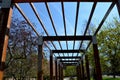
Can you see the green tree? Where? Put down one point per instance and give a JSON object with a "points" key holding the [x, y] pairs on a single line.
{"points": [[21, 60], [22, 50], [70, 71], [109, 48]]}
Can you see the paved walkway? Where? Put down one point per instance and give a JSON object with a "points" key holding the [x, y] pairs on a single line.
{"points": [[68, 78]]}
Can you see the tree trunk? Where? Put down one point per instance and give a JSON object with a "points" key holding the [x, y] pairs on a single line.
{"points": [[114, 76]]}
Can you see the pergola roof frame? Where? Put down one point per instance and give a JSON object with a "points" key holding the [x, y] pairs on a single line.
{"points": [[69, 64], [67, 51], [92, 11], [69, 60], [19, 9], [6, 7], [77, 12], [68, 57], [28, 1], [102, 21], [48, 10]]}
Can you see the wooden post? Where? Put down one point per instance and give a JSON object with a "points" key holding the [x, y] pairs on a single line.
{"points": [[83, 77], [80, 78], [59, 72], [81, 74], [87, 67], [5, 22], [77, 71], [118, 6], [51, 65], [40, 58], [97, 59], [56, 75]]}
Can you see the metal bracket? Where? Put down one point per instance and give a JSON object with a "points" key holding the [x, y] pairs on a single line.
{"points": [[40, 40], [94, 40], [6, 3]]}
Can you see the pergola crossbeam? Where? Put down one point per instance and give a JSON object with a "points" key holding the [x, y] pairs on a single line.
{"points": [[28, 1], [64, 38], [69, 64], [69, 61], [68, 57], [68, 51]]}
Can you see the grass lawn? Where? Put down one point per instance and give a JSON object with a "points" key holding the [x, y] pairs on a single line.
{"points": [[105, 78], [110, 78]]}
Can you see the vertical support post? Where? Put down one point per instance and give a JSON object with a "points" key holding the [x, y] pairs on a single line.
{"points": [[87, 67], [80, 78], [5, 21], [40, 58], [56, 75], [51, 65], [97, 59], [77, 71], [59, 72], [118, 6], [83, 77], [81, 71]]}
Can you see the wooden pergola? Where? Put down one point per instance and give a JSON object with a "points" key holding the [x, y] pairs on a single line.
{"points": [[5, 21]]}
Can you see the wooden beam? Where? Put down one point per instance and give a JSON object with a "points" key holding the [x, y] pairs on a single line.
{"points": [[68, 57], [69, 64], [68, 51], [69, 60], [64, 38], [28, 1]]}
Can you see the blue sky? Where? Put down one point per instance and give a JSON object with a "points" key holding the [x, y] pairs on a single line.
{"points": [[70, 13]]}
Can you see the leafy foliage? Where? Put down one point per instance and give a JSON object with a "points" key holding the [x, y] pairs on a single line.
{"points": [[70, 71], [109, 48], [21, 60]]}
